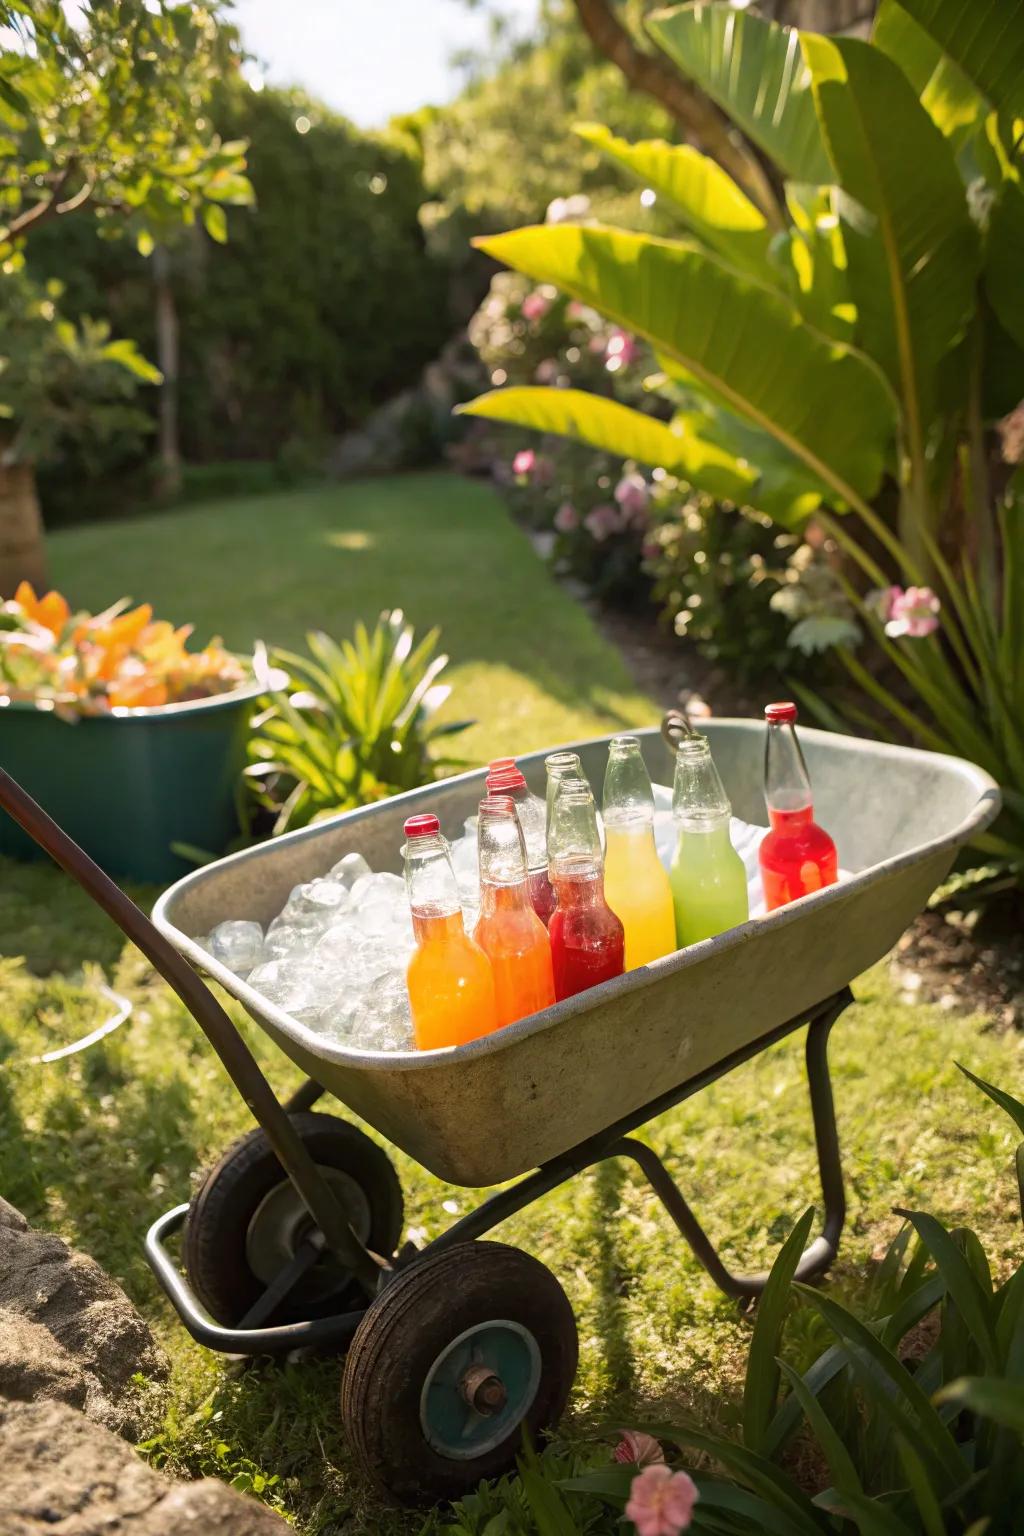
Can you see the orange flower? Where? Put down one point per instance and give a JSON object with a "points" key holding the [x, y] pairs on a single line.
{"points": [[136, 693], [50, 612]]}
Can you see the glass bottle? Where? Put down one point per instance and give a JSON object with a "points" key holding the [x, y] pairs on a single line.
{"points": [[509, 931], [709, 882], [636, 886], [796, 855], [587, 939], [451, 986], [532, 814], [558, 766]]}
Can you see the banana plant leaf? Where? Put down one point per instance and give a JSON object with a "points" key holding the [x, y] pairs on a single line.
{"points": [[986, 39], [912, 247], [746, 343], [754, 71]]}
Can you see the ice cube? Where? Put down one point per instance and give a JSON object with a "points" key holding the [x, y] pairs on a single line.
{"points": [[373, 886], [283, 984], [236, 944], [349, 868], [289, 939], [383, 1020]]}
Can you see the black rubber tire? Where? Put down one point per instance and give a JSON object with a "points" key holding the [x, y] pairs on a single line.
{"points": [[421, 1311], [214, 1246]]}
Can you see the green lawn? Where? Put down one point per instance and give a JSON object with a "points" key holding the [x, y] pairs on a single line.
{"points": [[97, 1145]]}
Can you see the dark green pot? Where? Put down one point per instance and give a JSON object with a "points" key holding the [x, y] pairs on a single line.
{"points": [[127, 786]]}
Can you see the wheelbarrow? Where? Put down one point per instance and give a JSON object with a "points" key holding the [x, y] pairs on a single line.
{"points": [[292, 1240]]}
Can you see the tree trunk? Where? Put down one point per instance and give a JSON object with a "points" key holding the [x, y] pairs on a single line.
{"points": [[22, 556], [852, 16], [167, 361]]}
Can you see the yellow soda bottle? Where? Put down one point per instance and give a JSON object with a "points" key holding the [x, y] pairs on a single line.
{"points": [[636, 887]]}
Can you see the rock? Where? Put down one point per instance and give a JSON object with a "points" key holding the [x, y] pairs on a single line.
{"points": [[9, 1217], [34, 1366], [65, 1476], [86, 1316]]}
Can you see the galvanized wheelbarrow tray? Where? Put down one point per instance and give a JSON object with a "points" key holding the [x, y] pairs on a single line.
{"points": [[290, 1239]]}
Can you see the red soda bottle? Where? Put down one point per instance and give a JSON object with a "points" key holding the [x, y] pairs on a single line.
{"points": [[797, 856], [504, 778], [587, 939]]}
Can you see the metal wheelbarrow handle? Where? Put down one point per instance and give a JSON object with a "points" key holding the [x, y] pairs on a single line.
{"points": [[238, 1061]]}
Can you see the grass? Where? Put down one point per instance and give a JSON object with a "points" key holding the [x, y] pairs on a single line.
{"points": [[95, 1146]]}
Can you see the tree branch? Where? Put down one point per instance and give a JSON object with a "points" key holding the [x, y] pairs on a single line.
{"points": [[43, 211], [696, 113]]}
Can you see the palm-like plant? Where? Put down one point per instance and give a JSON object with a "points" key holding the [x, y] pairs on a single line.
{"points": [[350, 723], [847, 345]]}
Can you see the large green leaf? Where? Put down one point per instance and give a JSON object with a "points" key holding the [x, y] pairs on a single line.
{"points": [[823, 402], [818, 257], [761, 1383], [615, 428], [985, 38], [948, 96], [912, 247], [711, 203], [1004, 245], [754, 71]]}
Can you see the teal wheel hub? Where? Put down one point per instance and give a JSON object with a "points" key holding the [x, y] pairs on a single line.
{"points": [[480, 1388]]}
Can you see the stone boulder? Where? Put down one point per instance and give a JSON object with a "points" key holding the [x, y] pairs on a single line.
{"points": [[66, 1476], [67, 1331]]}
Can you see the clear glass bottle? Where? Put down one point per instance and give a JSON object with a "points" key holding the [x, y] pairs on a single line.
{"points": [[532, 814], [636, 886], [587, 939], [796, 855], [508, 930], [451, 985], [709, 882]]}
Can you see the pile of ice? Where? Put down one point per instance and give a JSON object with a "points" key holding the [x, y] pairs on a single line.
{"points": [[335, 956]]}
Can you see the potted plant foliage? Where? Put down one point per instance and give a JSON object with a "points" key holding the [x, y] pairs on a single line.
{"points": [[133, 742]]}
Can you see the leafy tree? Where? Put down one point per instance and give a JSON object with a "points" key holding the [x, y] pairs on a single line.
{"points": [[101, 114]]}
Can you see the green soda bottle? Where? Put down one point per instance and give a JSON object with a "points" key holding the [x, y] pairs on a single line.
{"points": [[709, 883]]}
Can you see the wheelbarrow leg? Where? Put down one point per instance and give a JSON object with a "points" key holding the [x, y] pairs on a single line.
{"points": [[819, 1255]]}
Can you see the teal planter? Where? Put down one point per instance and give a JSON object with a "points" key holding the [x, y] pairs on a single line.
{"points": [[127, 786]]}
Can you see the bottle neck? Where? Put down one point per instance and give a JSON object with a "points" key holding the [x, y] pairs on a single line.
{"points": [[578, 883], [431, 886], [497, 899], [787, 784], [713, 828], [787, 821]]}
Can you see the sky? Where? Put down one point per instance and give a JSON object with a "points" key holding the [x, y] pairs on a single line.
{"points": [[367, 59]]}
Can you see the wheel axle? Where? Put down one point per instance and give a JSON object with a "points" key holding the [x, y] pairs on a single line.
{"points": [[483, 1390]]}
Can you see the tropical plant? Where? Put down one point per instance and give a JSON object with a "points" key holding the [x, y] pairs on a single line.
{"points": [[349, 723], [847, 345]]}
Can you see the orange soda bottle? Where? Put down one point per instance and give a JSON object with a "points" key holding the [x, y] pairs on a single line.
{"points": [[796, 855], [509, 931], [451, 985]]}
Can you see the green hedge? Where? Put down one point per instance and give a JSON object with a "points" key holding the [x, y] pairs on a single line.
{"points": [[322, 304]]}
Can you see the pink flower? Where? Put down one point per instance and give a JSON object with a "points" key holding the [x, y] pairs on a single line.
{"points": [[913, 613], [661, 1501], [601, 521], [535, 306], [524, 461], [880, 600], [620, 351], [546, 371], [631, 495], [567, 519], [637, 1449]]}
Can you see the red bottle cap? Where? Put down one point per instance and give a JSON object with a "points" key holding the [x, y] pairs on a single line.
{"points": [[507, 778], [422, 826], [499, 764], [780, 714]]}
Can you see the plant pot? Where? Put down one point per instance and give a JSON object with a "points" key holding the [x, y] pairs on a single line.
{"points": [[22, 557], [127, 786]]}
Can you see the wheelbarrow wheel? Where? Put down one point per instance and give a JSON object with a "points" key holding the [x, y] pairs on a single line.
{"points": [[458, 1355], [246, 1221]]}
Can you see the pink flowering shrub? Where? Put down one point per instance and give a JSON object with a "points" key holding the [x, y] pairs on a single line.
{"points": [[913, 612]]}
